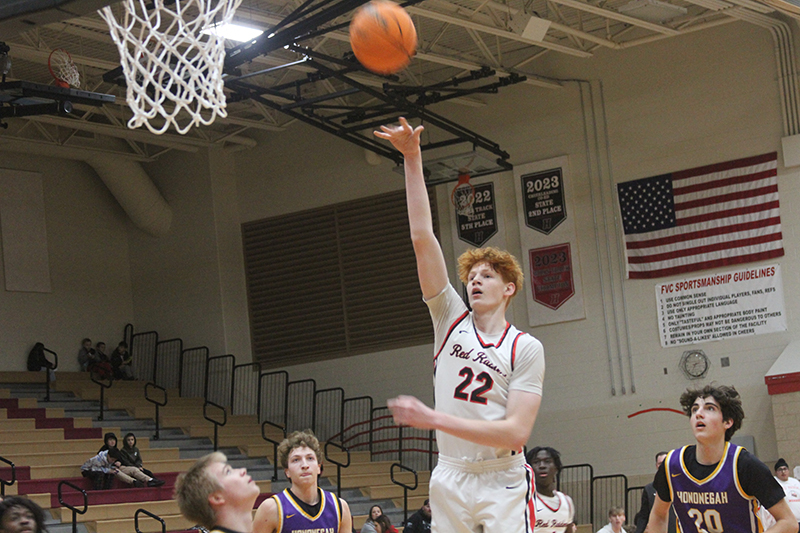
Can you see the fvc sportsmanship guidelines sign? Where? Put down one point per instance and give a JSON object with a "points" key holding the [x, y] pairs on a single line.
{"points": [[737, 303]]}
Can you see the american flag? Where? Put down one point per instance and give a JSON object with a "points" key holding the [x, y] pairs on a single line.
{"points": [[717, 215]]}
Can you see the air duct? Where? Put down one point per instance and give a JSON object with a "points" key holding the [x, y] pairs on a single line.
{"points": [[135, 192]]}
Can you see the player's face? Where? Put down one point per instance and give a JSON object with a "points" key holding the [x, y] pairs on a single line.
{"points": [[237, 486], [18, 519], [707, 422], [782, 473], [486, 288], [303, 466], [544, 468]]}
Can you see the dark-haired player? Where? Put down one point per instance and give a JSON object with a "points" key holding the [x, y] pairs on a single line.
{"points": [[488, 375], [716, 486], [555, 512]]}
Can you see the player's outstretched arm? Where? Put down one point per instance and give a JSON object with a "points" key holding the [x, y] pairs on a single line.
{"points": [[511, 432], [785, 521], [431, 268], [659, 516], [266, 519], [346, 525]]}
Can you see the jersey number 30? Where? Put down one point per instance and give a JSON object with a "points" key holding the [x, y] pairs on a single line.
{"points": [[477, 394], [712, 519]]}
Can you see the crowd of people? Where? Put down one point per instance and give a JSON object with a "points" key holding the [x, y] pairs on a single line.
{"points": [[118, 365], [124, 464]]}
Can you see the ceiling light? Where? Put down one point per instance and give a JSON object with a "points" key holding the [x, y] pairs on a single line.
{"points": [[532, 28], [652, 10], [234, 32]]}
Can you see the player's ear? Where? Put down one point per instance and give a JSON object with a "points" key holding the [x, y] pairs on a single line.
{"points": [[216, 498], [511, 288], [727, 423]]}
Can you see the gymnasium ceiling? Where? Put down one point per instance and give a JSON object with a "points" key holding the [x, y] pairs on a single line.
{"points": [[455, 37]]}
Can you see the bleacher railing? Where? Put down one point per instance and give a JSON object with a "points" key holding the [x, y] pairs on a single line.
{"points": [[151, 515], [576, 480], [167, 363], [607, 492], [156, 402], [49, 374], [75, 510], [8, 482]]}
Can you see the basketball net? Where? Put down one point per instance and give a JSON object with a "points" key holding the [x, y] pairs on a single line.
{"points": [[463, 195], [173, 70], [63, 69]]}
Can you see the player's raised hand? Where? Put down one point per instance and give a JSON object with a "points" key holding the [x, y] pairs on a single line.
{"points": [[403, 137], [409, 411]]}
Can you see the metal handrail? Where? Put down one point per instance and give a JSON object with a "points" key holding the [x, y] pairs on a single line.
{"points": [[47, 373], [216, 423], [275, 445], [3, 482], [406, 488], [103, 387], [75, 511], [154, 402], [339, 465], [151, 515]]}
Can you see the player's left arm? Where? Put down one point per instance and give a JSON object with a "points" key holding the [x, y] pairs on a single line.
{"points": [[511, 432], [785, 521], [346, 525]]}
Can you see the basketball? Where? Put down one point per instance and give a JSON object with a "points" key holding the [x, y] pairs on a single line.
{"points": [[383, 37]]}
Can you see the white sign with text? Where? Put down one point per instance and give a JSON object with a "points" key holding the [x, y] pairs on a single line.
{"points": [[721, 306]]}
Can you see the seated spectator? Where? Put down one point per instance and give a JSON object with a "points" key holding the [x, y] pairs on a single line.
{"points": [[420, 522], [100, 470], [130, 454], [130, 474], [370, 526], [86, 354], [100, 364], [21, 515], [109, 441], [121, 362], [616, 519], [38, 361], [384, 525]]}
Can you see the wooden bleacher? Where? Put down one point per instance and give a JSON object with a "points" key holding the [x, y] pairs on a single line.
{"points": [[46, 455]]}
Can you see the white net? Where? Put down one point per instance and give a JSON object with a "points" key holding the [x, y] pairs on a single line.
{"points": [[63, 68], [463, 197], [173, 70]]}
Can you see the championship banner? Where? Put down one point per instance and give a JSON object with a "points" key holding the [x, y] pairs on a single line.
{"points": [[486, 225], [549, 242], [737, 303], [480, 226], [551, 275]]}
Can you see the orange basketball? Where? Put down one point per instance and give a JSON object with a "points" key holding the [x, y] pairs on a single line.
{"points": [[383, 37]]}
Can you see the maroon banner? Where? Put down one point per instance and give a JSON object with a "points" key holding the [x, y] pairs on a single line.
{"points": [[551, 275]]}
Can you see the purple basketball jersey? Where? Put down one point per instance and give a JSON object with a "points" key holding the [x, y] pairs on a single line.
{"points": [[714, 504], [295, 520]]}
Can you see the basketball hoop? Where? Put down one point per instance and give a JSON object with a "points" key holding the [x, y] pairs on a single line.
{"points": [[463, 195], [167, 58], [63, 69]]}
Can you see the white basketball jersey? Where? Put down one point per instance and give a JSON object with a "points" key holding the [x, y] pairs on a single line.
{"points": [[553, 515], [473, 373]]}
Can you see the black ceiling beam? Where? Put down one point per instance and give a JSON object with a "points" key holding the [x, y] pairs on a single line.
{"points": [[359, 140], [269, 42], [410, 108]]}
